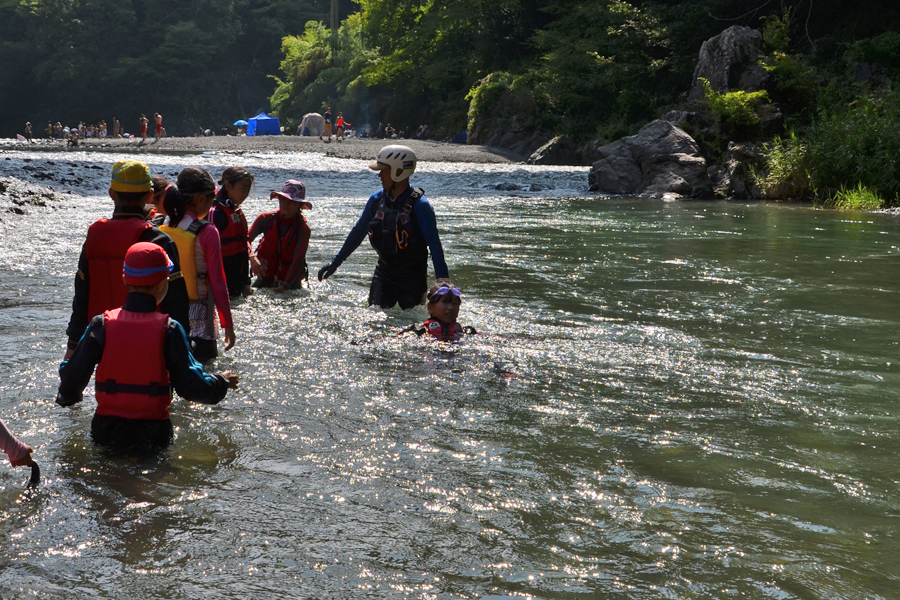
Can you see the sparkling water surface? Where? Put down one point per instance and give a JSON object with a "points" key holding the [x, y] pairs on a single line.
{"points": [[668, 400]]}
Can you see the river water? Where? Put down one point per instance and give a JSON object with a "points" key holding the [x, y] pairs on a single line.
{"points": [[668, 400]]}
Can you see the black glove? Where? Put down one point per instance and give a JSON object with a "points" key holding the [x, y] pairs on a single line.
{"points": [[327, 271]]}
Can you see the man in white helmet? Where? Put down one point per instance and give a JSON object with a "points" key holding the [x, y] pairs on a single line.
{"points": [[399, 222]]}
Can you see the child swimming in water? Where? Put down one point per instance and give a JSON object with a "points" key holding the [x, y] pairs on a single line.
{"points": [[444, 300]]}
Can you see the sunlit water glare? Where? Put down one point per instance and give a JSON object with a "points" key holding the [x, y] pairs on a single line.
{"points": [[668, 400]]}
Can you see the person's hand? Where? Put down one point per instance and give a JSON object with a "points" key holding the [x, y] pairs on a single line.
{"points": [[233, 379], [327, 271], [25, 461], [255, 266], [229, 338], [442, 280], [69, 353]]}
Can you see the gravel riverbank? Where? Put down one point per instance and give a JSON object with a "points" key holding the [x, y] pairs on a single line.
{"points": [[358, 148]]}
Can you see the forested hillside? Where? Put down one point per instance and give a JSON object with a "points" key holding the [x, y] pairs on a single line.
{"points": [[588, 69]]}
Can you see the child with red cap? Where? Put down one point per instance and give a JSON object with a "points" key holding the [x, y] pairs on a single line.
{"points": [[143, 355], [280, 260]]}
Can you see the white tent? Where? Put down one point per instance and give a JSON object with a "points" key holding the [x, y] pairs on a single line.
{"points": [[312, 124]]}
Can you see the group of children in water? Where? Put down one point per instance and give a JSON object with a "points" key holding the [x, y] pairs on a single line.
{"points": [[133, 285]]}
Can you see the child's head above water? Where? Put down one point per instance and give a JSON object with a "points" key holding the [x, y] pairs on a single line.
{"points": [[444, 300], [236, 183], [291, 198]]}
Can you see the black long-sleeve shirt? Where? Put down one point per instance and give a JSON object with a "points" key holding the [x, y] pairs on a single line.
{"points": [[175, 304], [186, 375]]}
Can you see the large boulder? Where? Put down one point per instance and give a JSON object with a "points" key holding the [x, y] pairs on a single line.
{"points": [[730, 61], [738, 177], [661, 160]]}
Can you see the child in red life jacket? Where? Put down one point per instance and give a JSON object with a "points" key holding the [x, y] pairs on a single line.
{"points": [[98, 282], [444, 300], [143, 355], [187, 204], [280, 259], [229, 219]]}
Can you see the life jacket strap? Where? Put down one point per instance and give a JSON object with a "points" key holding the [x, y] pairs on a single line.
{"points": [[111, 387]]}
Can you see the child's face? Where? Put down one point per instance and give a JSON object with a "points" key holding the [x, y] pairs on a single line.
{"points": [[238, 190], [288, 208], [446, 309]]}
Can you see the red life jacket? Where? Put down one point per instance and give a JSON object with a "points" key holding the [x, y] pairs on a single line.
{"points": [[234, 236], [107, 242], [435, 328], [278, 251], [132, 381]]}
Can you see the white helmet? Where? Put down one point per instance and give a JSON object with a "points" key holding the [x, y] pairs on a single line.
{"points": [[400, 159]]}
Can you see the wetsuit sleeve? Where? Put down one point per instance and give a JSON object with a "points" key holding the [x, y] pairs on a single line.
{"points": [[212, 251], [79, 319], [75, 373], [187, 375], [295, 273], [428, 225], [359, 232], [11, 445], [176, 302], [260, 225]]}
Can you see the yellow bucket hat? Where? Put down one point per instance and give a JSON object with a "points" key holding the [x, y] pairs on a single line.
{"points": [[130, 176]]}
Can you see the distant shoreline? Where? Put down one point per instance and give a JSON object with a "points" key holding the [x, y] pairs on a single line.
{"points": [[354, 148]]}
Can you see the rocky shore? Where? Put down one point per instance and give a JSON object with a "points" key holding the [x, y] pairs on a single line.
{"points": [[358, 148]]}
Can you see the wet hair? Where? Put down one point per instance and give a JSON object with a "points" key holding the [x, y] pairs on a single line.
{"points": [[159, 184], [175, 205], [230, 175], [431, 298]]}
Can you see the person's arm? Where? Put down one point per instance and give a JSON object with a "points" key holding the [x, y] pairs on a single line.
{"points": [[209, 241], [79, 319], [186, 375], [260, 225], [15, 449], [75, 373], [296, 271], [428, 225], [359, 232]]}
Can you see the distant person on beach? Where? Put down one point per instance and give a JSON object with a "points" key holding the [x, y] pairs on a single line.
{"points": [[340, 127], [117, 128], [229, 219], [160, 132], [280, 261], [19, 454], [141, 355], [28, 132], [187, 205], [327, 131], [144, 120], [444, 300], [98, 282], [399, 222]]}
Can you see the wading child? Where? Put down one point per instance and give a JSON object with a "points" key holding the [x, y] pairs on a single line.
{"points": [[187, 204], [156, 213], [98, 282], [280, 260], [141, 355], [229, 219], [444, 300], [19, 454]]}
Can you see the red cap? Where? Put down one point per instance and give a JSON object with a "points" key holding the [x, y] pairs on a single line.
{"points": [[146, 264]]}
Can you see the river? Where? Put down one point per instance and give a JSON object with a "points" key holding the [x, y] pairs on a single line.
{"points": [[668, 400]]}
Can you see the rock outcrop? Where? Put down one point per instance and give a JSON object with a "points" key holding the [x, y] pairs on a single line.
{"points": [[730, 61], [660, 161]]}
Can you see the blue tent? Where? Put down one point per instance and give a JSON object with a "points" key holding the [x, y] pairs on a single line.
{"points": [[263, 124]]}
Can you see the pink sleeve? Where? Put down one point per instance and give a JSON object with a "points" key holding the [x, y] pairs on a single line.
{"points": [[12, 446], [212, 251]]}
